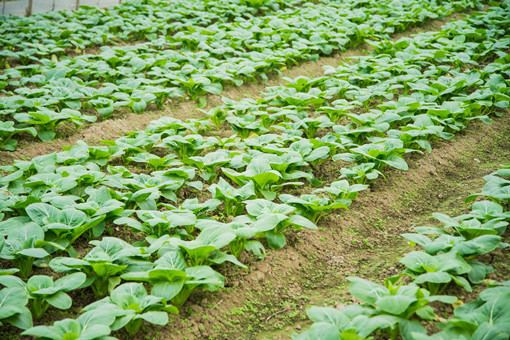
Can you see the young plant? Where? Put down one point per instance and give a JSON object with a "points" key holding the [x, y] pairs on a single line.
{"points": [[21, 246], [101, 201], [231, 196], [436, 271], [90, 325], [8, 130], [172, 279], [397, 304], [193, 205], [351, 322], [385, 152], [208, 164], [185, 146], [245, 125], [217, 115], [262, 209], [488, 212], [497, 187], [361, 173], [206, 248], [155, 162], [266, 179], [131, 305], [62, 227], [43, 292], [342, 191], [470, 228], [308, 125], [104, 264], [487, 317], [13, 308], [48, 120], [311, 206], [159, 223], [244, 228]]}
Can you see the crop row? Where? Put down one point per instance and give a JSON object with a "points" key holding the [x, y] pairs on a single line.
{"points": [[244, 173], [450, 253], [40, 97], [26, 39]]}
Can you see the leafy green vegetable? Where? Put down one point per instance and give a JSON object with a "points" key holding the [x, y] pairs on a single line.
{"points": [[43, 292], [157, 223], [172, 280], [131, 305], [12, 307], [436, 272], [21, 245], [90, 325], [311, 206], [278, 217], [342, 191], [486, 317], [103, 264], [62, 227], [231, 196]]}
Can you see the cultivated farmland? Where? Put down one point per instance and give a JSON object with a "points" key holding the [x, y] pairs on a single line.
{"points": [[256, 182]]}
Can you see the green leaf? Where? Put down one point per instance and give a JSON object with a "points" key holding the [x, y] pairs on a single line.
{"points": [[214, 88], [167, 289], [396, 304], [34, 252], [275, 240], [59, 300], [42, 213], [329, 315], [139, 106], [396, 162], [302, 222], [156, 318], [366, 291], [322, 331], [436, 277]]}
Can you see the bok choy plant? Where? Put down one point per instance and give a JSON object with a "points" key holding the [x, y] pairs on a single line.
{"points": [[42, 291], [131, 305], [173, 280]]}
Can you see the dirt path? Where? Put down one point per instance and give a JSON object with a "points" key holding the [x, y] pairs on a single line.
{"points": [[120, 123], [269, 300]]}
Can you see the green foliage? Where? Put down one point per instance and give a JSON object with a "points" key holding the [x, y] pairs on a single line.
{"points": [[437, 271], [43, 292], [12, 308], [91, 325], [486, 317], [276, 218], [311, 206], [173, 280], [131, 305], [398, 100], [390, 307], [232, 197], [104, 264], [21, 246]]}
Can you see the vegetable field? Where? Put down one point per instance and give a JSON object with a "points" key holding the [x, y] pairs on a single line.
{"points": [[303, 211]]}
